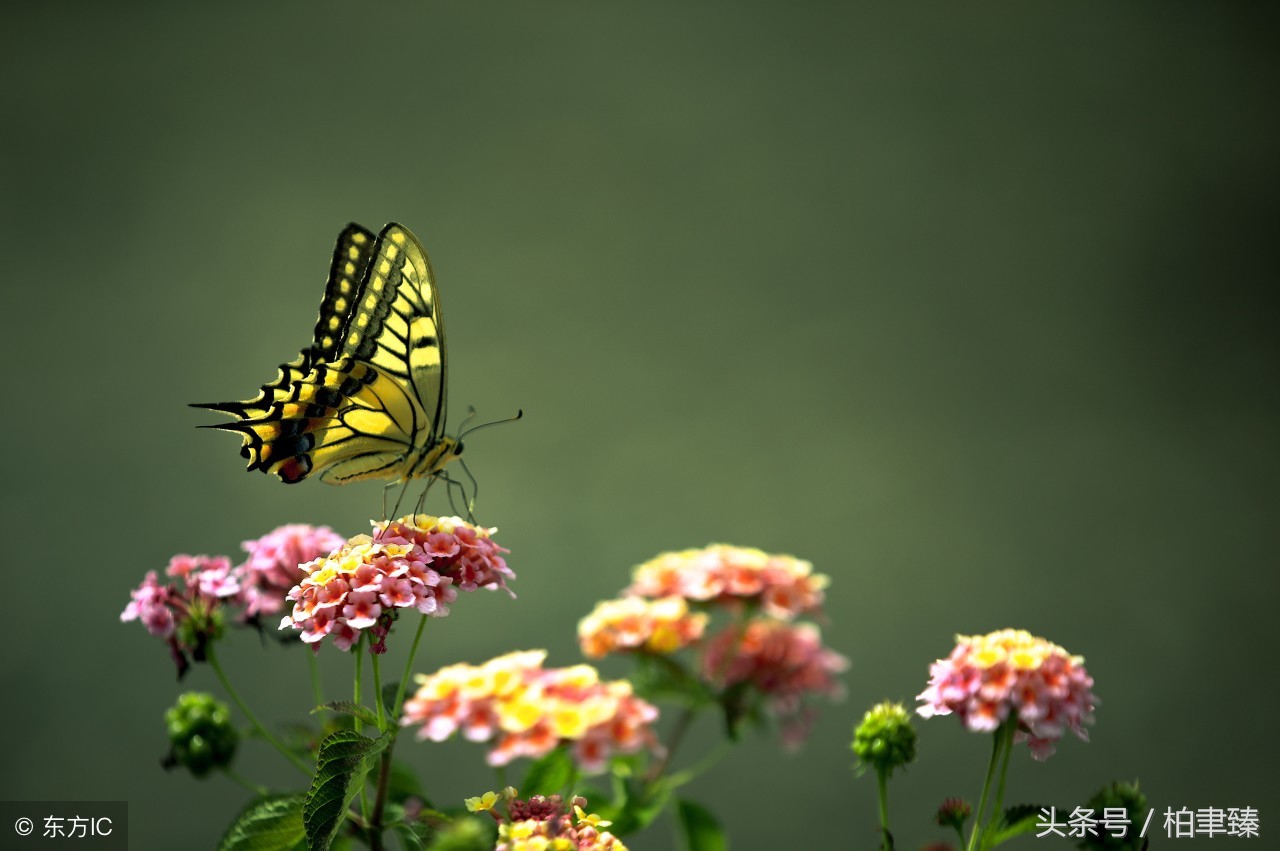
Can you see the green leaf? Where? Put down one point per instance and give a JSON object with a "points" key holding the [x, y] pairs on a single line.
{"points": [[347, 707], [272, 823], [699, 828], [549, 775], [1015, 821], [344, 759]]}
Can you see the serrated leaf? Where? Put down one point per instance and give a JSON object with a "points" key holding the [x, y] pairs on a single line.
{"points": [[273, 823], [344, 759], [699, 828], [549, 775], [347, 707]]}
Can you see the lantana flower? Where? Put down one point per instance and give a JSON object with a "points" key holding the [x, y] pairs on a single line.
{"points": [[526, 710], [542, 824], [418, 562], [188, 612], [784, 587], [634, 623], [990, 678], [275, 562], [786, 663]]}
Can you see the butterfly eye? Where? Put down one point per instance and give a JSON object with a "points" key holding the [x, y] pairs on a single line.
{"points": [[457, 448]]}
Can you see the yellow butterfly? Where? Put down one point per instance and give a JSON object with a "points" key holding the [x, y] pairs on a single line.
{"points": [[366, 400]]}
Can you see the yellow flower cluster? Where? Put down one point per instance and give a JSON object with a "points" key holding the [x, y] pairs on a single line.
{"points": [[1016, 647], [634, 623]]}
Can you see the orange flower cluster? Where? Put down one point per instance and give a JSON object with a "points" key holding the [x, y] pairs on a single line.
{"points": [[785, 587], [527, 710], [634, 623]]}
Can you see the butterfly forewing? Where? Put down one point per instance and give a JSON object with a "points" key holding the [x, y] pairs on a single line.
{"points": [[366, 399]]}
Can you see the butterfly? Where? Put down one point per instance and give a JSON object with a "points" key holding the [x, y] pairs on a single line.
{"points": [[367, 399]]}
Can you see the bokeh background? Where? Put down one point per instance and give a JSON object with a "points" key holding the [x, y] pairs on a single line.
{"points": [[972, 306]]}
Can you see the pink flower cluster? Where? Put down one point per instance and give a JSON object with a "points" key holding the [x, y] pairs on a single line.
{"points": [[205, 581], [786, 663], [186, 613], [528, 710], [785, 587], [1010, 673], [275, 562], [634, 623], [417, 562]]}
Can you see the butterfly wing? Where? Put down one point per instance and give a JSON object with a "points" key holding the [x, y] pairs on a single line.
{"points": [[351, 259], [372, 403]]}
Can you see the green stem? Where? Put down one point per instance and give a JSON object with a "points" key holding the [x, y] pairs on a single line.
{"points": [[408, 664], [673, 741], [996, 741], [359, 646], [680, 778], [1008, 730], [248, 784], [377, 694], [253, 719], [316, 692], [882, 786]]}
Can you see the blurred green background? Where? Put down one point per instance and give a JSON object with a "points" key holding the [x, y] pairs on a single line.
{"points": [[972, 306]]}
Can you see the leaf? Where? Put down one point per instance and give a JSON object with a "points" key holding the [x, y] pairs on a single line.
{"points": [[344, 759], [549, 775], [1015, 821], [347, 707], [699, 828], [272, 823]]}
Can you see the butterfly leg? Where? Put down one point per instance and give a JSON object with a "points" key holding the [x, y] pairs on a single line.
{"points": [[396, 511]]}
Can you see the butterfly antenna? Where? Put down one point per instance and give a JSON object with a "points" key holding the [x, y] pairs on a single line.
{"points": [[471, 415], [462, 434]]}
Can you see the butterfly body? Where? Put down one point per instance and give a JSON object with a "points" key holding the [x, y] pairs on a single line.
{"points": [[366, 400]]}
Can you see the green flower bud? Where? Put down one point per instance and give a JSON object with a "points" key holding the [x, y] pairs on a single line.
{"points": [[1117, 796], [201, 736], [885, 739]]}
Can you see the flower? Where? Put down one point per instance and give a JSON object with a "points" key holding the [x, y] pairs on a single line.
{"points": [[527, 710], [885, 739], [275, 562], [783, 586], [187, 613], [786, 663], [418, 562], [541, 824], [634, 623], [990, 678]]}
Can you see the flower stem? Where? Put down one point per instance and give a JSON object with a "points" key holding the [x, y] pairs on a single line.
{"points": [[242, 781], [355, 720], [996, 742], [882, 786], [408, 664], [377, 694], [253, 719], [678, 732], [1007, 732]]}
